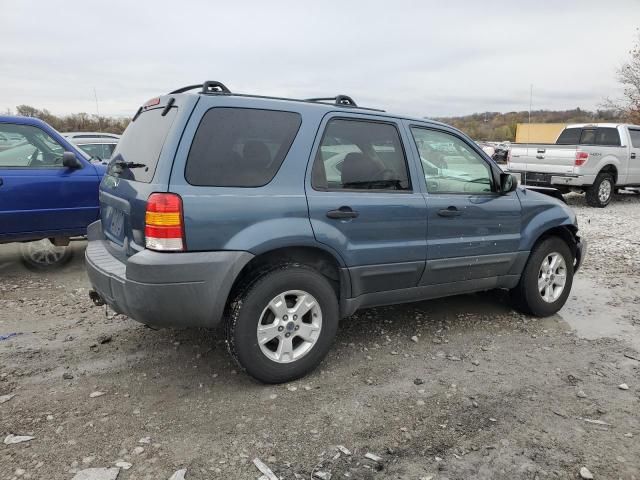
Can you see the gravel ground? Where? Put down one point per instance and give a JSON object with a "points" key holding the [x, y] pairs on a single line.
{"points": [[484, 392]]}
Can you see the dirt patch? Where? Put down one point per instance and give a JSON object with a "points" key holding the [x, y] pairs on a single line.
{"points": [[485, 392]]}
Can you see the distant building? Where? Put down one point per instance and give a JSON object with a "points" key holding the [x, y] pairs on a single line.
{"points": [[538, 132]]}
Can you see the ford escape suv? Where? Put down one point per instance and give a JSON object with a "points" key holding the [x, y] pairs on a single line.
{"points": [[278, 217]]}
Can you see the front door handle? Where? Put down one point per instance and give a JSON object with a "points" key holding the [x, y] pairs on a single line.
{"points": [[1, 182], [449, 212], [633, 155], [342, 213]]}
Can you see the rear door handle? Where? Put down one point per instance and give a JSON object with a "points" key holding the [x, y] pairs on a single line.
{"points": [[1, 182], [449, 212], [633, 155], [342, 213]]}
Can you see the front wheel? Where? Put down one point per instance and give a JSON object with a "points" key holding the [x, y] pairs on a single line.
{"points": [[601, 192], [547, 278], [283, 324]]}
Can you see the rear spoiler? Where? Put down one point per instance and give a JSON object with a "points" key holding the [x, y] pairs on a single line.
{"points": [[552, 192]]}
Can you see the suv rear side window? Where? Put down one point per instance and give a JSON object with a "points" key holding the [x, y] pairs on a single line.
{"points": [[569, 136], [240, 147], [360, 155], [142, 143]]}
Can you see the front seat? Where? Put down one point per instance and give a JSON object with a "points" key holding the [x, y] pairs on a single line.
{"points": [[359, 171]]}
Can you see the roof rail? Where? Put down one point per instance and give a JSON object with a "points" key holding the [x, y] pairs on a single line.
{"points": [[342, 100], [210, 86]]}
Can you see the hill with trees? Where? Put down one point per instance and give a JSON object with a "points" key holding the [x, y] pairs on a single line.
{"points": [[497, 127], [75, 122]]}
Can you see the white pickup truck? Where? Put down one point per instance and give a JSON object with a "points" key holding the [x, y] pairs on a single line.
{"points": [[598, 159]]}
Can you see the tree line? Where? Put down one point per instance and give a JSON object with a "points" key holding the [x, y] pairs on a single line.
{"points": [[75, 122], [499, 127]]}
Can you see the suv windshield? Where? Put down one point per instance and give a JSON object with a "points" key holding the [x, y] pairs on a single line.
{"points": [[141, 143]]}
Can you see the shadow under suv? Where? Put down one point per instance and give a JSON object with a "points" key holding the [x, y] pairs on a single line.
{"points": [[279, 217]]}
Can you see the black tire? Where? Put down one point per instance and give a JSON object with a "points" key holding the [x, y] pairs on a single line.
{"points": [[526, 295], [593, 192], [42, 255], [245, 313]]}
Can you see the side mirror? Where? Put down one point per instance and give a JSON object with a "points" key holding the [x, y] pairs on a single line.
{"points": [[70, 160], [508, 183]]}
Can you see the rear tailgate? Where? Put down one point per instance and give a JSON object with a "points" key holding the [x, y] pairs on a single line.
{"points": [[140, 165], [543, 158]]}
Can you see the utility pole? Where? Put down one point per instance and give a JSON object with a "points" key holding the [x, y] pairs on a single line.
{"points": [[530, 105], [95, 95]]}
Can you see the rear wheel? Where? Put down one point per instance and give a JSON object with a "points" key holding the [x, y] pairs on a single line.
{"points": [[547, 278], [283, 324], [601, 192], [44, 255]]}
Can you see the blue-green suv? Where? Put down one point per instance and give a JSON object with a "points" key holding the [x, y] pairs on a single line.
{"points": [[279, 217]]}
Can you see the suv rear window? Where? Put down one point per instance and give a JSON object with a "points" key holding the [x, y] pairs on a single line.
{"points": [[142, 143], [240, 147]]}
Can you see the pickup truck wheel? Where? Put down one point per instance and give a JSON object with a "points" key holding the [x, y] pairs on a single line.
{"points": [[547, 278], [283, 324], [44, 255], [601, 192]]}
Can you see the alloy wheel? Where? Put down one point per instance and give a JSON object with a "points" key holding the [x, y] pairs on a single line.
{"points": [[552, 277], [289, 326]]}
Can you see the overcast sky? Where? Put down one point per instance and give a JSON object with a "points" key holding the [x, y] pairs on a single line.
{"points": [[424, 58]]}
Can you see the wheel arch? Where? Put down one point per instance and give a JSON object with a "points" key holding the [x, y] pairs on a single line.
{"points": [[568, 233], [612, 169], [320, 259]]}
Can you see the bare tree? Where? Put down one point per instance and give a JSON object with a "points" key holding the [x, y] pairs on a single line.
{"points": [[629, 78]]}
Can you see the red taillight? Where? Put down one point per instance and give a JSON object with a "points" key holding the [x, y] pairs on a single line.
{"points": [[581, 158], [164, 227]]}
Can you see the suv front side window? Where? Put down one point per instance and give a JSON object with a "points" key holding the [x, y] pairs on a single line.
{"points": [[450, 165], [360, 155], [28, 147]]}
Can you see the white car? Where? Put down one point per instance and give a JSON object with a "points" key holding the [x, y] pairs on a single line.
{"points": [[97, 145]]}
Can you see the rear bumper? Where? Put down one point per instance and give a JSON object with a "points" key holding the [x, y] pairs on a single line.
{"points": [[553, 179], [164, 289]]}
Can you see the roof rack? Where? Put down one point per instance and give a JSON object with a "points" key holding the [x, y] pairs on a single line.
{"points": [[214, 87], [342, 100], [210, 86]]}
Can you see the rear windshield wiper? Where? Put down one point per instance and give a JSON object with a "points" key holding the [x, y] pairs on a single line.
{"points": [[124, 164]]}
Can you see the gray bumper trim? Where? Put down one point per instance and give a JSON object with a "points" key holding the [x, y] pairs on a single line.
{"points": [[166, 289]]}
